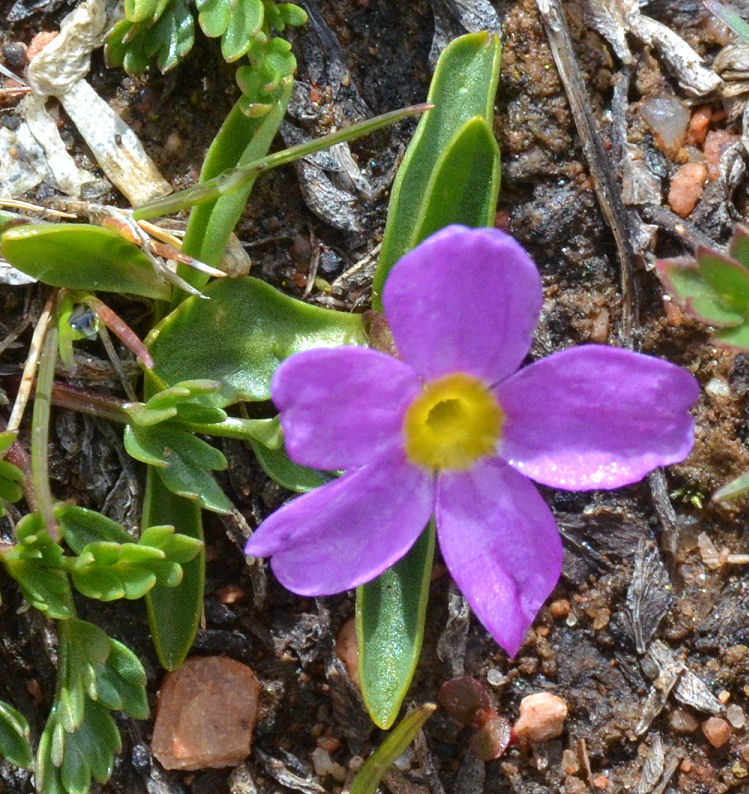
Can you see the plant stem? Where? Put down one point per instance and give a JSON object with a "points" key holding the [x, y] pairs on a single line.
{"points": [[40, 432], [235, 178]]}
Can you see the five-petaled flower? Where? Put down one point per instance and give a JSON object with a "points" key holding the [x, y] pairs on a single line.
{"points": [[454, 429]]}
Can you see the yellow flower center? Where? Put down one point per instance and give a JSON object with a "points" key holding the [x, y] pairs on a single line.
{"points": [[453, 423]]}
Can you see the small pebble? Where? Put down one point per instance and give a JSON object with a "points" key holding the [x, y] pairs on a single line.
{"points": [[735, 715], [347, 650], [324, 765], [205, 714], [601, 619], [601, 782], [739, 770], [716, 143], [570, 763], [682, 721], [685, 766], [573, 785], [717, 731], [39, 42], [668, 119], [560, 608], [698, 125], [542, 717], [686, 188], [744, 753]]}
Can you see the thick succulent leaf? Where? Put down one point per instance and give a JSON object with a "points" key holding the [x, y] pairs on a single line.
{"points": [[14, 737], [465, 182], [174, 613], [81, 256], [390, 615], [464, 84], [241, 335]]}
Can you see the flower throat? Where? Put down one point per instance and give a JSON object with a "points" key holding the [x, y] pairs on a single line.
{"points": [[453, 423]]}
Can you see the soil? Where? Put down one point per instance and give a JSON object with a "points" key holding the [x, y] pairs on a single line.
{"points": [[636, 561]]}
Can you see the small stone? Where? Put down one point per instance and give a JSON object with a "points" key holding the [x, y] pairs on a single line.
{"points": [[325, 765], [698, 125], [601, 619], [716, 143], [682, 721], [542, 717], [573, 785], [205, 714], [560, 608], [685, 766], [39, 42], [686, 188], [717, 731], [735, 715], [744, 753], [570, 764], [724, 696], [739, 770], [668, 119], [601, 782], [347, 650]]}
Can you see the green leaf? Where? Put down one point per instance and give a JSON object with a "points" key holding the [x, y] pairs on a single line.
{"points": [[121, 682], [236, 22], [465, 182], [182, 462], [35, 562], [463, 86], [82, 526], [81, 256], [373, 769], [132, 44], [734, 489], [14, 737], [240, 140], [174, 613], [279, 467], [67, 761], [241, 335], [390, 614]]}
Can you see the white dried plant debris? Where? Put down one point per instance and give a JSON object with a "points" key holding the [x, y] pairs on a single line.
{"points": [[648, 596], [59, 71], [22, 162], [732, 64], [665, 679], [689, 689], [653, 767], [614, 19], [639, 184]]}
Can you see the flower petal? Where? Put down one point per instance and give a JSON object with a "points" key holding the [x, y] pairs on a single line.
{"points": [[342, 407], [596, 417], [501, 545], [464, 300], [348, 531]]}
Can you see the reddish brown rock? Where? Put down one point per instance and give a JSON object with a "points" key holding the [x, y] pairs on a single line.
{"points": [[205, 714], [686, 187], [717, 731], [347, 650]]}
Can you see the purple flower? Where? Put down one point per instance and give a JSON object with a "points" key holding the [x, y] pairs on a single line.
{"points": [[455, 431]]}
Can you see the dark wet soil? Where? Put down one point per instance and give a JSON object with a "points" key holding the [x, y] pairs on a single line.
{"points": [[623, 564]]}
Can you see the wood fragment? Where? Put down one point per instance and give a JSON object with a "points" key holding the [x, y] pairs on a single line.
{"points": [[601, 171]]}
